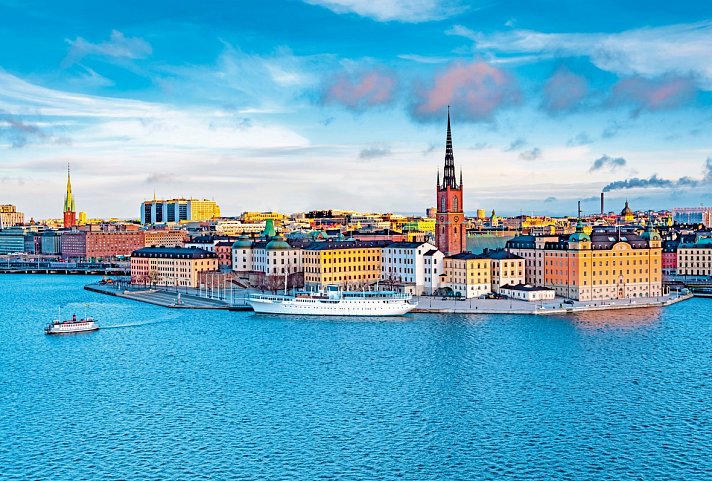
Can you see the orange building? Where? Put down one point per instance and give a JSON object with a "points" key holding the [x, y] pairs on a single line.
{"points": [[604, 265]]}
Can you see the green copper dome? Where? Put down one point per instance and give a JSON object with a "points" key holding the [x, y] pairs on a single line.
{"points": [[650, 233], [579, 235], [242, 242], [277, 243]]}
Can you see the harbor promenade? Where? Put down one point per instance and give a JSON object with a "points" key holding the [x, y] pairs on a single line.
{"points": [[172, 298], [235, 300], [556, 306]]}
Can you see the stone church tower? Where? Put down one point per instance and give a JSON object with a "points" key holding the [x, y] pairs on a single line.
{"points": [[450, 233]]}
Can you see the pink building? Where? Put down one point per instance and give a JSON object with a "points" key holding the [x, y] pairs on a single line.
{"points": [[669, 257], [223, 249]]}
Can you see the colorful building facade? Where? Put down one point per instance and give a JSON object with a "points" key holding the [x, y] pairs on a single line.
{"points": [[171, 266], [695, 259], [349, 264], [468, 275], [604, 265]]}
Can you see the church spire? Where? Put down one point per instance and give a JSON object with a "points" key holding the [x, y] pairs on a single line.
{"points": [[449, 173], [69, 198]]}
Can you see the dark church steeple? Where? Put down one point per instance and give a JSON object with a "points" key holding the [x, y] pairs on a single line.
{"points": [[449, 172]]}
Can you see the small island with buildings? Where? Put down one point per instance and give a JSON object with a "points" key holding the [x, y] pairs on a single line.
{"points": [[449, 261]]}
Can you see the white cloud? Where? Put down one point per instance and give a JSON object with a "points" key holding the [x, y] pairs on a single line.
{"points": [[117, 47], [105, 124], [649, 51], [270, 82], [409, 11]]}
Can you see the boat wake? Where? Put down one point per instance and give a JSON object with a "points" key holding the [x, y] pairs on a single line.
{"points": [[138, 323]]}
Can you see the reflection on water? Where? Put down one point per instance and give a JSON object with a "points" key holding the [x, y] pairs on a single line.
{"points": [[617, 319]]}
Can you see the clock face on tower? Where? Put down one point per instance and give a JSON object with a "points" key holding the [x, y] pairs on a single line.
{"points": [[457, 218], [442, 218]]}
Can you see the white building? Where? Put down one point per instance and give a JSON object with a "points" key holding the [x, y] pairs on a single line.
{"points": [[273, 258], [525, 292], [434, 271], [403, 266], [695, 259], [235, 227], [205, 242]]}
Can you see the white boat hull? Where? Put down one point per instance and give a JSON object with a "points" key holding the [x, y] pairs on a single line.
{"points": [[342, 307], [71, 329]]}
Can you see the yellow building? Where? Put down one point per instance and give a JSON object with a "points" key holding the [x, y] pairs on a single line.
{"points": [[165, 266], [165, 238], [9, 216], [178, 210], [604, 265], [203, 209], [351, 265], [256, 217], [468, 274], [506, 269]]}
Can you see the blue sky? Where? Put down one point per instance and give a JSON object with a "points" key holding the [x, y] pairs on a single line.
{"points": [[295, 105]]}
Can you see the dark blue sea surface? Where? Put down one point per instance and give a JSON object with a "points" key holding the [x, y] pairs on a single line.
{"points": [[169, 394]]}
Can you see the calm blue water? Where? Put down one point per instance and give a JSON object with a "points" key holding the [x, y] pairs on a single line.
{"points": [[172, 394]]}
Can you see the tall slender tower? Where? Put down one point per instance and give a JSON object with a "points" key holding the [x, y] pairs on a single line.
{"points": [[70, 212], [450, 234]]}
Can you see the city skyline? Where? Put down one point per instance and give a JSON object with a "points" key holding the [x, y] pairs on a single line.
{"points": [[244, 105]]}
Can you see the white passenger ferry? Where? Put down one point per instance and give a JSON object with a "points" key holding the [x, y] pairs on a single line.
{"points": [[71, 326], [334, 302]]}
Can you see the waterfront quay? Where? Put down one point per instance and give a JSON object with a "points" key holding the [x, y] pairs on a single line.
{"points": [[183, 298], [235, 299], [558, 305], [25, 264]]}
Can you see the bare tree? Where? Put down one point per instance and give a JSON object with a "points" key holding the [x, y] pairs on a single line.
{"points": [[153, 277], [274, 283]]}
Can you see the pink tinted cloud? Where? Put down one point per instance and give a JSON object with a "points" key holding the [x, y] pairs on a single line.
{"points": [[662, 93], [564, 91], [476, 89], [362, 91]]}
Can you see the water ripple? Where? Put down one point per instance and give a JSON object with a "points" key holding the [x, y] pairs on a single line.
{"points": [[173, 395]]}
